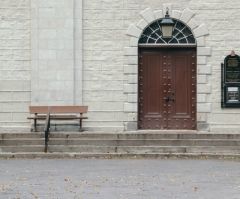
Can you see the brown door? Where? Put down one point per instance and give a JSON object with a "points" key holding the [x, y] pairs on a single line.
{"points": [[167, 88]]}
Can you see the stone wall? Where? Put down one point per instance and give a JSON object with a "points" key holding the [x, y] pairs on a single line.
{"points": [[106, 49], [221, 18], [15, 70], [74, 52], [52, 52]]}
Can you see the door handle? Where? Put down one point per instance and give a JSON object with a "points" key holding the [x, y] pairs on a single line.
{"points": [[167, 99]]}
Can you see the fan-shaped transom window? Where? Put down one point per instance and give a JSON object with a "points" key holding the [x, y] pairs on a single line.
{"points": [[153, 34]]}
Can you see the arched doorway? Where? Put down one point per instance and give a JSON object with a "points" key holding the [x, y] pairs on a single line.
{"points": [[167, 78]]}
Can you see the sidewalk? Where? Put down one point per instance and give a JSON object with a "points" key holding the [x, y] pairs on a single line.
{"points": [[119, 179]]}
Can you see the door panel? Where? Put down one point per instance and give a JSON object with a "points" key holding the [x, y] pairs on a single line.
{"points": [[167, 89], [182, 109], [150, 91]]}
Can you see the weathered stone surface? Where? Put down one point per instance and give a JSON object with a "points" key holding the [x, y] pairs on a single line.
{"points": [[42, 50], [142, 24], [148, 15], [201, 31], [201, 98], [204, 51], [134, 31], [176, 14], [204, 107], [204, 69], [130, 107], [15, 60], [187, 14], [131, 51], [158, 14], [192, 23]]}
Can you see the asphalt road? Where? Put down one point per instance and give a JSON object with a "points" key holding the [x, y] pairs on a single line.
{"points": [[119, 179]]}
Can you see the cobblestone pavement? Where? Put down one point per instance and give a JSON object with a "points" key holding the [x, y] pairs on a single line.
{"points": [[119, 179]]}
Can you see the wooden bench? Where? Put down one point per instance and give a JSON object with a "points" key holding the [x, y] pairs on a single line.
{"points": [[58, 113]]}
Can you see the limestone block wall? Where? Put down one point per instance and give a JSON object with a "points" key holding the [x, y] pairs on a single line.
{"points": [[52, 52], [222, 19], [104, 39], [110, 85], [78, 52], [15, 57], [108, 51], [56, 52]]}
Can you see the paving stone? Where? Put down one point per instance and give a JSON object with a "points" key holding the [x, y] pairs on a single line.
{"points": [[120, 179]]}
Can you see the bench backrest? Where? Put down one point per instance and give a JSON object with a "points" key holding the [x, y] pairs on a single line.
{"points": [[68, 109], [38, 109], [57, 109]]}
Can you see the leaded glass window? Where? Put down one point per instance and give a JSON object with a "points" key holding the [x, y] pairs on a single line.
{"points": [[153, 34]]}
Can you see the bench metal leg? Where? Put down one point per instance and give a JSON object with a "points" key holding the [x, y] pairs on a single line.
{"points": [[35, 125], [80, 125]]}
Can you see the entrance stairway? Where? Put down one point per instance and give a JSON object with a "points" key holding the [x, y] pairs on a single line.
{"points": [[139, 144]]}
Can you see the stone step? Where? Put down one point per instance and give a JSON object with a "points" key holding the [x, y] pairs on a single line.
{"points": [[34, 135], [121, 155], [130, 144], [123, 135], [146, 142], [143, 136], [120, 149], [124, 142], [19, 142], [22, 148], [142, 149]]}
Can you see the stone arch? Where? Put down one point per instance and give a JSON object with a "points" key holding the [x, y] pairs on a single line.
{"points": [[204, 70]]}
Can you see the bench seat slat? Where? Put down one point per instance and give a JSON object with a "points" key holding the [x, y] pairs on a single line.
{"points": [[57, 117]]}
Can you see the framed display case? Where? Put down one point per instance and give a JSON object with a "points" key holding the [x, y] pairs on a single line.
{"points": [[231, 81]]}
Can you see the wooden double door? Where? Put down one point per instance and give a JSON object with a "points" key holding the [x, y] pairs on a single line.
{"points": [[167, 88]]}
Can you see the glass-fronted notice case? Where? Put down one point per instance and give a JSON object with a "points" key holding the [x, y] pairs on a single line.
{"points": [[231, 81]]}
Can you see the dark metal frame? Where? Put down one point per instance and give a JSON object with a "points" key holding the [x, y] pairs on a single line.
{"points": [[152, 34], [47, 132], [225, 85]]}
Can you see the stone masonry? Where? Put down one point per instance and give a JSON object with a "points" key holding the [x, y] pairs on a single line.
{"points": [[15, 63], [85, 52]]}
